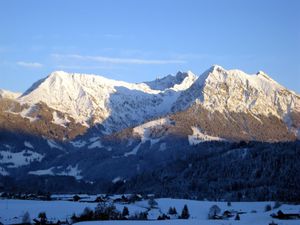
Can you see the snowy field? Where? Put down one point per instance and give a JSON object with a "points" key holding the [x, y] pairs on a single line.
{"points": [[11, 211]]}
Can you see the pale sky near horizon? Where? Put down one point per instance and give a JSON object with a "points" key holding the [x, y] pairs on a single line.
{"points": [[137, 41]]}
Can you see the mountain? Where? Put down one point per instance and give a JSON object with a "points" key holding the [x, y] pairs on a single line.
{"points": [[93, 128], [91, 99]]}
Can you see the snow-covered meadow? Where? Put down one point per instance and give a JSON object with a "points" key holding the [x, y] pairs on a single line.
{"points": [[11, 211]]}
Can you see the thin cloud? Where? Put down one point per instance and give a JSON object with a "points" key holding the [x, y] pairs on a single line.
{"points": [[112, 35], [83, 67], [30, 64], [115, 60]]}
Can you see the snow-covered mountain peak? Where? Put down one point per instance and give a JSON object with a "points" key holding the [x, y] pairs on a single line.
{"points": [[218, 89], [217, 68], [9, 94], [91, 99], [180, 81], [265, 76], [58, 73], [234, 77]]}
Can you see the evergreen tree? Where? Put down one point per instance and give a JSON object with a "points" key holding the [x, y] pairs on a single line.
{"points": [[213, 211], [43, 218], [172, 211], [185, 213], [26, 218], [125, 212]]}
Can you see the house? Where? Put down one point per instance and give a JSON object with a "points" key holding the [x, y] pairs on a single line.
{"points": [[123, 199], [100, 199]]}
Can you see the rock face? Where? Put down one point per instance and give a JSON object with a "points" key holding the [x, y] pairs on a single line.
{"points": [[37, 119], [91, 127]]}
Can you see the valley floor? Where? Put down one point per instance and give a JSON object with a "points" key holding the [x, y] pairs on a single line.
{"points": [[11, 212]]}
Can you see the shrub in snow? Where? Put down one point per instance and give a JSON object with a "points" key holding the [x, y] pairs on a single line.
{"points": [[213, 212], [172, 211], [163, 217], [76, 198], [74, 218], [125, 212], [185, 213], [139, 216], [26, 218], [106, 211], [87, 214], [43, 218]]}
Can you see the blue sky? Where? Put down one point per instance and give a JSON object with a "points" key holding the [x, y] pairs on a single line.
{"points": [[136, 40]]}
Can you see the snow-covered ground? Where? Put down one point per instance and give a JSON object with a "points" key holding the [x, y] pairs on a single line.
{"points": [[11, 211], [185, 222], [198, 137]]}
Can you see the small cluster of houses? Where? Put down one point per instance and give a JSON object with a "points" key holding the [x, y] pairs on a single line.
{"points": [[125, 199], [227, 214], [22, 196], [122, 199]]}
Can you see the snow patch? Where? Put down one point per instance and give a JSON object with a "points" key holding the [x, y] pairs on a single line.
{"points": [[72, 171], [18, 159], [151, 131], [42, 172], [133, 151], [93, 139], [117, 179], [53, 144], [162, 147], [3, 172], [58, 120], [26, 113], [96, 144], [27, 144], [69, 171], [78, 144], [198, 137]]}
